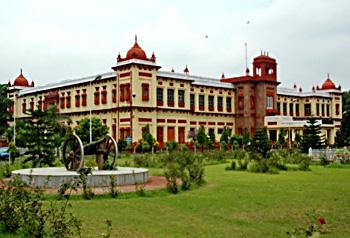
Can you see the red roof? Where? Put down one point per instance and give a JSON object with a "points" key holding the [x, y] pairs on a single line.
{"points": [[21, 81], [328, 84], [136, 52]]}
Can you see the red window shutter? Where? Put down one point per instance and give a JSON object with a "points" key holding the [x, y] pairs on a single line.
{"points": [[171, 133], [83, 97], [145, 92], [114, 95], [97, 98], [67, 102], [181, 135], [24, 107], [77, 100], [127, 92], [62, 103], [104, 97], [122, 92]]}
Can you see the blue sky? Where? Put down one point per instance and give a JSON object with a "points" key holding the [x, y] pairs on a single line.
{"points": [[58, 40]]}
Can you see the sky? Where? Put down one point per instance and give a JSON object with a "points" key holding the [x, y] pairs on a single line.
{"points": [[66, 39]]}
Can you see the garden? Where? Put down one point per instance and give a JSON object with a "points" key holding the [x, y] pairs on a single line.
{"points": [[235, 187]]}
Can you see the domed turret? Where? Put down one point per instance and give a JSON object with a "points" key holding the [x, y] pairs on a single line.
{"points": [[136, 52], [328, 84], [21, 81]]}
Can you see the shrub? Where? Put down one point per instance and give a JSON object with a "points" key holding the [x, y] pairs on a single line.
{"points": [[186, 166], [122, 145], [171, 145], [253, 166], [21, 211]]}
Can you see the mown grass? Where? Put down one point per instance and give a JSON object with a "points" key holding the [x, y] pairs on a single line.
{"points": [[231, 204]]}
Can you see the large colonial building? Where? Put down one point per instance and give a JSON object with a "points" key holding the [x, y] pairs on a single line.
{"points": [[137, 93]]}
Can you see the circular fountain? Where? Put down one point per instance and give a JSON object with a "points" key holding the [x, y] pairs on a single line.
{"points": [[73, 151]]}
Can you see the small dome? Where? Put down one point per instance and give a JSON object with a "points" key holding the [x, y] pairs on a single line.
{"points": [[21, 81], [136, 52], [328, 84]]}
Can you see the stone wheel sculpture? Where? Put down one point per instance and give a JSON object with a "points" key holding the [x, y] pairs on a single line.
{"points": [[73, 153]]}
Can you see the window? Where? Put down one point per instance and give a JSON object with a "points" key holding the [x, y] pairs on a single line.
{"points": [[121, 93], [68, 100], [323, 110], [337, 109], [317, 109], [278, 108], [220, 104], [297, 109], [104, 95], [220, 131], [97, 96], [181, 97], [83, 98], [328, 110], [307, 109], [269, 102], [192, 101], [62, 102], [285, 108], [228, 104], [32, 104], [170, 97], [127, 92], [252, 102], [40, 104], [77, 99], [145, 92], [240, 102], [160, 96], [24, 106], [211, 103], [291, 111], [114, 94], [201, 102]]}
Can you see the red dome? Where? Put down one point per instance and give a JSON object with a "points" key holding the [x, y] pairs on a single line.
{"points": [[328, 84], [136, 52], [21, 81]]}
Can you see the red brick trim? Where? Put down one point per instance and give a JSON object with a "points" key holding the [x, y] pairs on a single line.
{"points": [[145, 119], [161, 120], [123, 75], [193, 123], [182, 121], [124, 119], [171, 120], [144, 74]]}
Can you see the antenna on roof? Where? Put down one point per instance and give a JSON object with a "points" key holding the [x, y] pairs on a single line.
{"points": [[135, 38], [246, 57]]}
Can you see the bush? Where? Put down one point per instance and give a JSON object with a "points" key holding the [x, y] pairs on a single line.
{"points": [[186, 166], [122, 145], [253, 167], [22, 212], [171, 145]]}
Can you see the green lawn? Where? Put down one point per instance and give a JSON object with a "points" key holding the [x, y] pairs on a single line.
{"points": [[231, 204]]}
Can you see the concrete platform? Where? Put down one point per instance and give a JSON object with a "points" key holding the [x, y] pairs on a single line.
{"points": [[53, 177]]}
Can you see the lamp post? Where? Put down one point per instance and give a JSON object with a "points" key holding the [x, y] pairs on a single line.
{"points": [[90, 116], [131, 118]]}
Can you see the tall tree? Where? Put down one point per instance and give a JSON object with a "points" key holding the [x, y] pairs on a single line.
{"points": [[42, 134], [98, 129], [261, 142], [312, 136], [4, 105], [343, 135], [202, 138]]}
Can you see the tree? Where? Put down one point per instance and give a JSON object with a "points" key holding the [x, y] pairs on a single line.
{"points": [[312, 136], [281, 138], [99, 130], [202, 138], [42, 134], [343, 135], [261, 142], [4, 105], [226, 134]]}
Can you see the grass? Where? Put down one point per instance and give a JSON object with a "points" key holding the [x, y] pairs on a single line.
{"points": [[231, 204]]}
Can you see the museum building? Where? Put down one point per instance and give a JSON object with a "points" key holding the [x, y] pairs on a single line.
{"points": [[136, 93]]}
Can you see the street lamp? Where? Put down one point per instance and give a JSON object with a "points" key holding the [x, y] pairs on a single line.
{"points": [[98, 77]]}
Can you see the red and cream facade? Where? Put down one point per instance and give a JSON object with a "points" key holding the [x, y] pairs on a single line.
{"points": [[137, 93]]}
